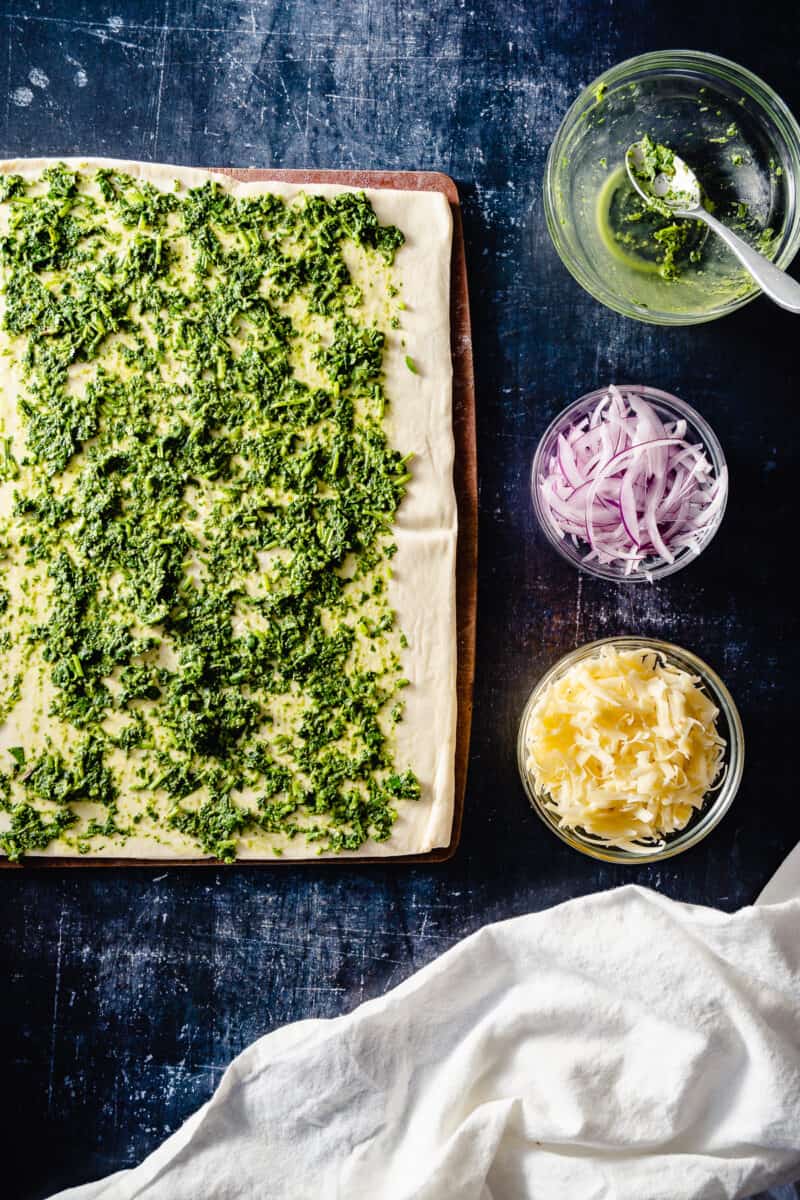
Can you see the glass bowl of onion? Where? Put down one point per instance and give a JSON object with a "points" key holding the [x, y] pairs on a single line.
{"points": [[629, 483], [630, 749]]}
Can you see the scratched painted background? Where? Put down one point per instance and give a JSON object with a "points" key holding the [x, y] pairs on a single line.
{"points": [[125, 993]]}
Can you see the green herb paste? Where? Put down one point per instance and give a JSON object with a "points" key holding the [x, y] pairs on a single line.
{"points": [[202, 495], [642, 235]]}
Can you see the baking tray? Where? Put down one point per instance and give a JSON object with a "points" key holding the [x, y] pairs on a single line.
{"points": [[466, 488]]}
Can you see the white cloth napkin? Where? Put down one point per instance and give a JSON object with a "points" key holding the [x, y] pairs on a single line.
{"points": [[785, 883], [618, 1047]]}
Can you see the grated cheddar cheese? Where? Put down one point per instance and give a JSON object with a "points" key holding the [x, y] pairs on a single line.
{"points": [[624, 746]]}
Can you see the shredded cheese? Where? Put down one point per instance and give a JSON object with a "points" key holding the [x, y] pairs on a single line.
{"points": [[624, 746]]}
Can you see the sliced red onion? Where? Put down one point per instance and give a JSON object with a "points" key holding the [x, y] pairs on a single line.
{"points": [[629, 486]]}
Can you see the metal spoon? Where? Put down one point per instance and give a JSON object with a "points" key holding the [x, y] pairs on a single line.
{"points": [[678, 192]]}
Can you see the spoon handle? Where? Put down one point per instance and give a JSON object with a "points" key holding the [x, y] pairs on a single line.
{"points": [[779, 286]]}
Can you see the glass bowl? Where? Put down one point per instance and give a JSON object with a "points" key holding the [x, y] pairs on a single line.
{"points": [[668, 408], [735, 132], [718, 800]]}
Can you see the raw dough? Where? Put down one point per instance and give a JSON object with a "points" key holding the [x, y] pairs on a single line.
{"points": [[423, 587]]}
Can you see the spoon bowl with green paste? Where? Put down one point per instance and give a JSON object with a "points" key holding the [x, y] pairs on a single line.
{"points": [[668, 187]]}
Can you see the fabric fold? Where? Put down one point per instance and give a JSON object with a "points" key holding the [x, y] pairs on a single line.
{"points": [[621, 1045]]}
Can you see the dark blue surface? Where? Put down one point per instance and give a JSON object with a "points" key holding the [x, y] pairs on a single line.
{"points": [[127, 992]]}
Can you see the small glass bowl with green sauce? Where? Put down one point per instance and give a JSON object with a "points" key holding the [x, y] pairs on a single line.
{"points": [[733, 131]]}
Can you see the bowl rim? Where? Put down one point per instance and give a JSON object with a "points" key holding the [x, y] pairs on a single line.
{"points": [[667, 400], [712, 812], [672, 61]]}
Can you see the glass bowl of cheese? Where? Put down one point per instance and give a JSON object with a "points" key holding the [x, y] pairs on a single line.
{"points": [[630, 749]]}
